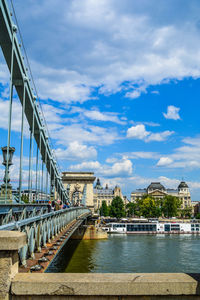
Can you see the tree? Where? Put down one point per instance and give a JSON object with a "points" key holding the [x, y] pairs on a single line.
{"points": [[117, 208], [186, 212], [150, 208], [197, 216], [170, 206], [25, 198], [130, 209], [104, 209]]}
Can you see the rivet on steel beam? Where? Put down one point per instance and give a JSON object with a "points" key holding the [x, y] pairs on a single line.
{"points": [[14, 28], [25, 78]]}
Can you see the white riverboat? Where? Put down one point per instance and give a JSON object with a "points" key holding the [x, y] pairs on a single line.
{"points": [[152, 227]]}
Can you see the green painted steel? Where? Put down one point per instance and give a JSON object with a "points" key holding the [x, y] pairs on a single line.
{"points": [[15, 62]]}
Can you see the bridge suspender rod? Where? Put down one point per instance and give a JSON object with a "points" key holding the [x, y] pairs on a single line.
{"points": [[22, 137], [46, 181], [14, 30], [31, 152], [42, 184], [29, 168], [39, 167], [57, 187], [50, 179], [54, 185], [36, 175]]}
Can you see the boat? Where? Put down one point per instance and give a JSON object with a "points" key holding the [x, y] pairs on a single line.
{"points": [[155, 227]]}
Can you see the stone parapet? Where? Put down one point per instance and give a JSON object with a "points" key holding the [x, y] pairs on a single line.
{"points": [[10, 243], [106, 286], [12, 240]]}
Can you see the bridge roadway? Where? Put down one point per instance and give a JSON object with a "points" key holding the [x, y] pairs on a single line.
{"points": [[42, 229]]}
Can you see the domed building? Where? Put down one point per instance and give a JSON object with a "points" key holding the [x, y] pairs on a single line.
{"points": [[184, 194], [105, 194], [158, 191]]}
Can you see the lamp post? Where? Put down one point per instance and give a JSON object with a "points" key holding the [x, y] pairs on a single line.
{"points": [[6, 188]]}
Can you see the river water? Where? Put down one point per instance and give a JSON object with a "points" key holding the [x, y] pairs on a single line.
{"points": [[131, 253]]}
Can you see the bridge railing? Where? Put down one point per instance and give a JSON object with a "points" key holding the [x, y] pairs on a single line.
{"points": [[17, 212], [41, 229]]}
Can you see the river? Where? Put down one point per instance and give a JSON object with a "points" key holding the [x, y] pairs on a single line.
{"points": [[131, 253]]}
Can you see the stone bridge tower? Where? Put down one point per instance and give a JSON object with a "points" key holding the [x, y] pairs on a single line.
{"points": [[77, 183]]}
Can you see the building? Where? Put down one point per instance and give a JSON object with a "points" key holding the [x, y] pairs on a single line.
{"points": [[105, 194], [34, 195], [158, 191], [80, 187]]}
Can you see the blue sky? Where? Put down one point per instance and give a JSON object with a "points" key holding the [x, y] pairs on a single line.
{"points": [[119, 84]]}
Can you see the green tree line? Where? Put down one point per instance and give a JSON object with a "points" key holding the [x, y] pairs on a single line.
{"points": [[147, 206]]}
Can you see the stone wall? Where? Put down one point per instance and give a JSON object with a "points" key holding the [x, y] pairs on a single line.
{"points": [[105, 286], [89, 232]]}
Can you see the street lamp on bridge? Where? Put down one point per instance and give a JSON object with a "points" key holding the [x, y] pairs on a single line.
{"points": [[6, 187]]}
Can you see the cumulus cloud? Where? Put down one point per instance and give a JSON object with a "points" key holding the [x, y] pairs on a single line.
{"points": [[86, 166], [140, 132], [140, 155], [102, 45], [186, 156], [85, 134], [76, 151], [172, 113], [16, 117], [118, 168], [164, 161], [159, 136], [97, 115], [137, 132]]}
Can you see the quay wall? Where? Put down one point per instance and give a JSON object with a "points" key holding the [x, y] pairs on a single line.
{"points": [[89, 232], [38, 286]]}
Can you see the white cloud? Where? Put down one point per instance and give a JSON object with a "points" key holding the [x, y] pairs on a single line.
{"points": [[164, 161], [133, 94], [140, 154], [16, 117], [186, 156], [119, 168], [137, 132], [85, 134], [97, 115], [140, 132], [159, 137], [172, 113], [102, 45], [89, 166], [76, 151]]}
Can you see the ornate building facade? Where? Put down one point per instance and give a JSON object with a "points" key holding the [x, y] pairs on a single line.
{"points": [[158, 191], [105, 194]]}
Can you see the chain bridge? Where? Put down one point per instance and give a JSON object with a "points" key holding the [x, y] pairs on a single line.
{"points": [[36, 218], [35, 230]]}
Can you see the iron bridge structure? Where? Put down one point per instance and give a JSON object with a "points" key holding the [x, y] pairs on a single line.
{"points": [[40, 223]]}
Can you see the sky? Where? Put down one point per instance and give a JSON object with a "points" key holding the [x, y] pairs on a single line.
{"points": [[119, 85]]}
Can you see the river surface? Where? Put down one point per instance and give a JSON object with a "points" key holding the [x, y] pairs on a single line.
{"points": [[131, 253]]}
